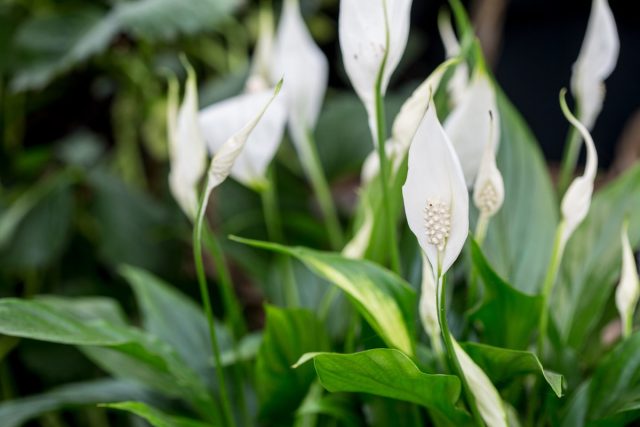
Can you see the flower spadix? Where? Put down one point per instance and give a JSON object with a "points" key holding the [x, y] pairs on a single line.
{"points": [[577, 199], [221, 120], [469, 121], [628, 290], [187, 151], [373, 37], [305, 69], [223, 161], [597, 59], [436, 200], [488, 190]]}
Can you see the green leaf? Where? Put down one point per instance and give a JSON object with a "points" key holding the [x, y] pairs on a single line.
{"points": [[520, 236], [390, 373], [508, 316], [122, 351], [175, 319], [502, 365], [15, 413], [289, 334], [155, 417], [615, 385], [592, 259], [35, 229], [385, 300], [87, 308]]}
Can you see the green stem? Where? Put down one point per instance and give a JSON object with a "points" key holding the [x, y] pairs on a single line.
{"points": [[480, 234], [569, 160], [227, 415], [381, 137], [547, 287], [313, 168], [453, 358], [269, 198], [232, 306]]}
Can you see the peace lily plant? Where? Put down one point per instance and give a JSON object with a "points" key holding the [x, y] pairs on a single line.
{"points": [[468, 291]]}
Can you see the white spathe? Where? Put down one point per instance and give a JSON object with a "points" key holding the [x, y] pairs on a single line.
{"points": [[435, 180], [223, 161], [488, 190], [221, 120], [405, 124], [488, 399], [260, 73], [469, 122], [577, 200], [305, 70], [187, 151], [428, 306], [628, 290], [367, 33], [596, 61]]}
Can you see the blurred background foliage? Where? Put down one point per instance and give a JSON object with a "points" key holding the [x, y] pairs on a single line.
{"points": [[83, 159]]}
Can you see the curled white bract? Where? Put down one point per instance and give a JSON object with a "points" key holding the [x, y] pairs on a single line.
{"points": [[436, 200], [305, 69], [187, 152], [372, 36], [596, 61], [469, 122], [628, 290], [460, 78], [221, 120], [488, 191], [577, 200]]}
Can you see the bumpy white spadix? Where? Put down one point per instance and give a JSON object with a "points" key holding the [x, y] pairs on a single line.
{"points": [[470, 121], [436, 200], [488, 191], [577, 199], [221, 120], [305, 70], [372, 35], [628, 290], [597, 59], [187, 151]]}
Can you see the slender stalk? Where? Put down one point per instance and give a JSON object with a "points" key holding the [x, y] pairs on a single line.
{"points": [[232, 306], [381, 137], [227, 415], [569, 160], [480, 234], [313, 169], [547, 287], [269, 198], [453, 358]]}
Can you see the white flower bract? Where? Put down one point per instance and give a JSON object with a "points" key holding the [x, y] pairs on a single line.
{"points": [[628, 290]]}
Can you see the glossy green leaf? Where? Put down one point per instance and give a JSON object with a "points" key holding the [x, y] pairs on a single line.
{"points": [[175, 319], [153, 416], [15, 413], [615, 385], [592, 259], [289, 334], [520, 236], [390, 373], [385, 300], [508, 316], [502, 365], [88, 309]]}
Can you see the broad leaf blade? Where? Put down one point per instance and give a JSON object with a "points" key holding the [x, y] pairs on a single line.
{"points": [[385, 300], [390, 373], [508, 316], [289, 334], [155, 417], [502, 365]]}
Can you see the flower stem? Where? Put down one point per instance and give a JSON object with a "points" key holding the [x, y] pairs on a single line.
{"points": [[269, 198], [547, 287], [569, 160], [453, 358], [313, 168], [232, 306], [480, 234], [227, 415]]}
